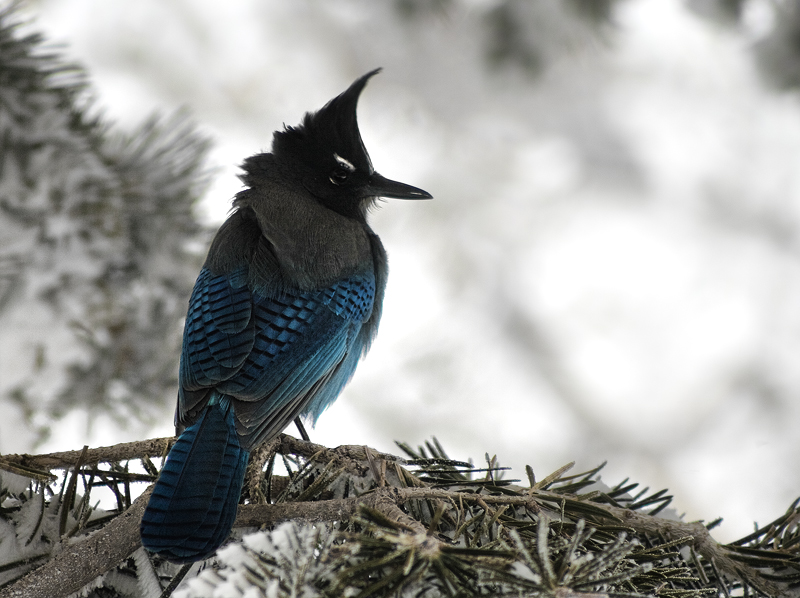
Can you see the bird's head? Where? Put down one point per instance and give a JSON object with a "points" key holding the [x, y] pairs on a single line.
{"points": [[328, 156]]}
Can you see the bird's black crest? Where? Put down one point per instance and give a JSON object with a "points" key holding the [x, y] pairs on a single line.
{"points": [[332, 127]]}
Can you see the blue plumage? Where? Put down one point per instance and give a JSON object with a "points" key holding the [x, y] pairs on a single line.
{"points": [[194, 503], [278, 347], [286, 304]]}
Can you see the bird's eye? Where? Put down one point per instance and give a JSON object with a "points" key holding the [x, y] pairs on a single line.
{"points": [[339, 176]]}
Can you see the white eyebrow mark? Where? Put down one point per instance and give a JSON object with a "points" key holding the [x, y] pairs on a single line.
{"points": [[346, 164]]}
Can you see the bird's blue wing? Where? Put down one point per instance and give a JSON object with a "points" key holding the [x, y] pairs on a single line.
{"points": [[274, 356], [219, 331], [279, 381]]}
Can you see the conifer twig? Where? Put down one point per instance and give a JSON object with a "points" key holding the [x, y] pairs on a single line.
{"points": [[80, 562]]}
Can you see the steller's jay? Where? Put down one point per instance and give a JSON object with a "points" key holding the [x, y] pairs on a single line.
{"points": [[286, 304]]}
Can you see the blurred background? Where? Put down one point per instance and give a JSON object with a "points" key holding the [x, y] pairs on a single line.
{"points": [[609, 271]]}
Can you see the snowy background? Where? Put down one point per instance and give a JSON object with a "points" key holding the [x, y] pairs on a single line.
{"points": [[610, 269]]}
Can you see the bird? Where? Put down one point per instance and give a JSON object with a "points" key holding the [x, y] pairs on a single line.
{"points": [[286, 304]]}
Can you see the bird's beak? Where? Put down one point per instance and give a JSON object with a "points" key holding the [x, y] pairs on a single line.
{"points": [[382, 187]]}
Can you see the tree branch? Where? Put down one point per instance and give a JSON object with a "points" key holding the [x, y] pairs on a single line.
{"points": [[154, 447], [157, 447], [385, 500]]}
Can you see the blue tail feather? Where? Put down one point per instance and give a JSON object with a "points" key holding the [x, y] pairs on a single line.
{"points": [[194, 502]]}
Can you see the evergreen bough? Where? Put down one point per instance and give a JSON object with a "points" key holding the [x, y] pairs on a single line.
{"points": [[351, 521], [96, 264]]}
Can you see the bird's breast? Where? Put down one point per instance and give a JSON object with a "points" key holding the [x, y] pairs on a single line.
{"points": [[312, 245]]}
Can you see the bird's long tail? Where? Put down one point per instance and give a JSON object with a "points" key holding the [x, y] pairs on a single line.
{"points": [[194, 502]]}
